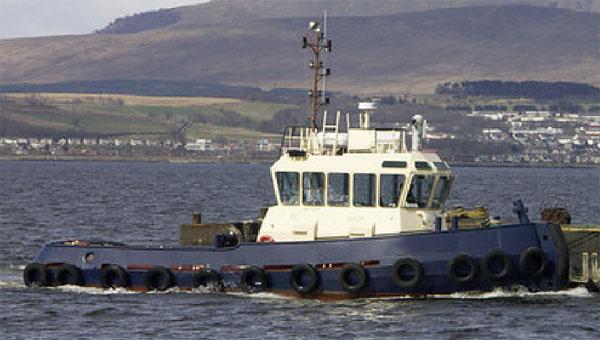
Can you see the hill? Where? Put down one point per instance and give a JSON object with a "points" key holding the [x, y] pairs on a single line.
{"points": [[105, 115], [234, 11], [402, 52]]}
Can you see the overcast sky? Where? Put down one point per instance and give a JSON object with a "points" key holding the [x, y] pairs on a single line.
{"points": [[31, 18]]}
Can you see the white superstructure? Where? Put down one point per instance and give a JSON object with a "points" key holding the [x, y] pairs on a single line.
{"points": [[363, 182]]}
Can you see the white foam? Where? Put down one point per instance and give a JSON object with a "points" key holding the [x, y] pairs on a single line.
{"points": [[93, 290], [262, 295], [518, 292], [11, 284]]}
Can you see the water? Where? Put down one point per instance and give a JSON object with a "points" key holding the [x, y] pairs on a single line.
{"points": [[144, 203]]}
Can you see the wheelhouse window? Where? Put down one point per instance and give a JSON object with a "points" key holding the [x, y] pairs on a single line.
{"points": [[313, 185], [441, 192], [419, 191], [390, 188], [364, 190], [288, 186], [441, 166], [420, 165], [338, 190]]}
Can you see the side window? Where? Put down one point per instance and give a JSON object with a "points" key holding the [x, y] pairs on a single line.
{"points": [[441, 192], [288, 185], [364, 190], [338, 190], [420, 189], [313, 185], [390, 188]]}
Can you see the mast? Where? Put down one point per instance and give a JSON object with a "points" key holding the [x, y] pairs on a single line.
{"points": [[318, 43]]}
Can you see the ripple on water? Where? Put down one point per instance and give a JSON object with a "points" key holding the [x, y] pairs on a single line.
{"points": [[143, 203]]}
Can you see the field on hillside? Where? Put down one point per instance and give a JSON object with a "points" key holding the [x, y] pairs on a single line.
{"points": [[55, 114]]}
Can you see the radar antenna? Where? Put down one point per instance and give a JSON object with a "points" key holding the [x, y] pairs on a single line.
{"points": [[316, 41]]}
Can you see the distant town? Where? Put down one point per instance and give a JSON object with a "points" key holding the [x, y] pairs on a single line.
{"points": [[546, 137], [542, 137], [135, 149]]}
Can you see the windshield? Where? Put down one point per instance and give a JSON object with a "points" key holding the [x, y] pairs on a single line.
{"points": [[441, 192], [390, 188], [338, 193], [364, 190], [420, 189], [312, 188], [287, 183]]}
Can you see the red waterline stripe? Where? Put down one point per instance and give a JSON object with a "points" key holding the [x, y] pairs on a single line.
{"points": [[139, 266], [278, 267], [288, 267], [188, 268]]}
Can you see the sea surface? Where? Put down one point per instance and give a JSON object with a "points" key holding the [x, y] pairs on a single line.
{"points": [[143, 203]]}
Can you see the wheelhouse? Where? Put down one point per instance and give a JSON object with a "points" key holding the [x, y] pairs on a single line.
{"points": [[362, 182]]}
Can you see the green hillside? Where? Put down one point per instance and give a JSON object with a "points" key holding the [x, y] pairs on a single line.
{"points": [[52, 114]]}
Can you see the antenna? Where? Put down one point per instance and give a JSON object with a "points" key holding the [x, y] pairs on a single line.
{"points": [[323, 98], [315, 40]]}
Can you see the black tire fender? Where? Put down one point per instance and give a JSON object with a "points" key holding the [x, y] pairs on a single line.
{"points": [[350, 270], [487, 265], [462, 261], [254, 280], [35, 275], [304, 278], [158, 278], [208, 278], [533, 262], [67, 274], [398, 273], [114, 276]]}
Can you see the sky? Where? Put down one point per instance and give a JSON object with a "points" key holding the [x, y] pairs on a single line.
{"points": [[32, 18]]}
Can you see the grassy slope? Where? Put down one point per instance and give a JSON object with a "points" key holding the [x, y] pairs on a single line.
{"points": [[408, 52], [103, 114], [231, 11]]}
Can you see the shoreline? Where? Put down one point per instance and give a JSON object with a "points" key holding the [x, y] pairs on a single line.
{"points": [[208, 160]]}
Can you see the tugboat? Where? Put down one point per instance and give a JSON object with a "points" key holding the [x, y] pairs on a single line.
{"points": [[358, 214]]}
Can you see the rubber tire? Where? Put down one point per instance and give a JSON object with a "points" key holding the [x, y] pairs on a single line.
{"points": [[208, 278], [467, 259], [346, 270], [158, 278], [525, 259], [417, 268], [254, 280], [67, 274], [35, 275], [300, 270], [507, 265], [114, 276]]}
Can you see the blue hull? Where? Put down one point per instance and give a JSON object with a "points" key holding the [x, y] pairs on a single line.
{"points": [[376, 256]]}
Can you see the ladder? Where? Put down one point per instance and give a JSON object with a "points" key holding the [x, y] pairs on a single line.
{"points": [[331, 129]]}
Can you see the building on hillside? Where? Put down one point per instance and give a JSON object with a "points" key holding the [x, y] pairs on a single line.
{"points": [[201, 144], [74, 141], [494, 134], [8, 141], [265, 145]]}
